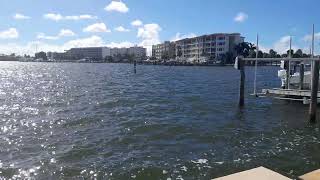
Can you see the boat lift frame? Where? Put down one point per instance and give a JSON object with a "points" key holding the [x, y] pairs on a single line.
{"points": [[306, 96]]}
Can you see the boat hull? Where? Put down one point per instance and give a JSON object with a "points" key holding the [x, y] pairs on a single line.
{"points": [[295, 79]]}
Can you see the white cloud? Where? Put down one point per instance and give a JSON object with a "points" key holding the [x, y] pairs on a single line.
{"points": [[66, 32], [80, 17], [21, 17], [149, 34], [52, 16], [120, 45], [178, 36], [11, 33], [30, 47], [241, 17], [62, 33], [59, 17], [97, 28], [264, 48], [283, 45], [137, 23], [308, 37], [121, 29], [118, 6], [44, 36], [92, 41]]}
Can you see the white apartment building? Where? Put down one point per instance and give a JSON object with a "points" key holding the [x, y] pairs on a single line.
{"points": [[202, 48], [136, 51], [97, 53], [167, 49]]}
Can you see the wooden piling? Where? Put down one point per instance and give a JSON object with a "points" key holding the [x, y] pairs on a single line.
{"points": [[314, 92], [287, 64], [301, 76], [242, 81], [135, 67]]}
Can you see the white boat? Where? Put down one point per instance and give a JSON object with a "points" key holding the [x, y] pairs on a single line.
{"points": [[84, 60], [294, 78]]}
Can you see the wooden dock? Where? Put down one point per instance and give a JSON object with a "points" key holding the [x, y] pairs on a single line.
{"points": [[259, 173], [288, 92], [262, 173], [303, 96], [306, 96]]}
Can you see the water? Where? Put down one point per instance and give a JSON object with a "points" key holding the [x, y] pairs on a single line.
{"points": [[103, 121]]}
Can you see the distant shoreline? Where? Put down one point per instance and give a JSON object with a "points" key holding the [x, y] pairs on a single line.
{"points": [[140, 63]]}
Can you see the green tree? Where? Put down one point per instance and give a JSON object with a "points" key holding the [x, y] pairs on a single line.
{"points": [[292, 53], [153, 58], [305, 55], [298, 54], [273, 53], [165, 56], [252, 54], [265, 55], [41, 55], [179, 54], [260, 54], [244, 48], [229, 58], [108, 59]]}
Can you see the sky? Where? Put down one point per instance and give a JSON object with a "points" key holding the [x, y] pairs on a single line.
{"points": [[28, 26]]}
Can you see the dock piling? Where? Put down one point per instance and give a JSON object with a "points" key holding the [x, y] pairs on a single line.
{"points": [[314, 84], [301, 76], [314, 92], [242, 81], [287, 64]]}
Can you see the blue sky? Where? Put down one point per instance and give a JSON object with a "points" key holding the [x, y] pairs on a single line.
{"points": [[60, 24]]}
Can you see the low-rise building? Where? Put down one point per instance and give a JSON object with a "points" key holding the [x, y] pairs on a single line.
{"points": [[166, 50], [95, 53], [199, 49], [208, 47], [136, 51], [98, 53], [58, 55]]}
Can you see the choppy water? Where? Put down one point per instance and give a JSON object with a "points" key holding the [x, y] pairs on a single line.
{"points": [[103, 121]]}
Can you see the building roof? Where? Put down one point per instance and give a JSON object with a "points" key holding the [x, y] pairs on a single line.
{"points": [[214, 34]]}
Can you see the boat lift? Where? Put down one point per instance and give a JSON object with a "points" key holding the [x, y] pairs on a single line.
{"points": [[306, 96]]}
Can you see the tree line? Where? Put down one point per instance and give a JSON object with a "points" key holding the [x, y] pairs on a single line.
{"points": [[248, 50]]}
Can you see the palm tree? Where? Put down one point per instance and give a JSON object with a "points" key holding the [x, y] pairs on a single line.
{"points": [[244, 48], [273, 53]]}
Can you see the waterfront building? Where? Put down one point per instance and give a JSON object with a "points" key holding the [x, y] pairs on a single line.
{"points": [[58, 56], [203, 48], [207, 47], [166, 50], [136, 51], [98, 53], [95, 53]]}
